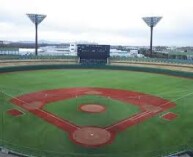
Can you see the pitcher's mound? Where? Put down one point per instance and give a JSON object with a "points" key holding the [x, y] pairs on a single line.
{"points": [[91, 136], [92, 108]]}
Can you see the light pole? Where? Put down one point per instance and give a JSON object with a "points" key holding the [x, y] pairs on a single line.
{"points": [[151, 22], [36, 19]]}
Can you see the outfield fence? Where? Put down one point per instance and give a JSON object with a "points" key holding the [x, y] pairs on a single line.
{"points": [[29, 57], [102, 67], [150, 60], [111, 59]]}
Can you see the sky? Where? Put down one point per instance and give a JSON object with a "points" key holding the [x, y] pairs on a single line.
{"points": [[114, 22]]}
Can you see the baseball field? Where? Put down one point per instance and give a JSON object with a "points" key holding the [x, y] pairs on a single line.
{"points": [[95, 112]]}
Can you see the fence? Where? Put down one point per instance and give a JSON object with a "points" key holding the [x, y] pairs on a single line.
{"points": [[149, 60], [112, 59], [107, 67], [29, 57]]}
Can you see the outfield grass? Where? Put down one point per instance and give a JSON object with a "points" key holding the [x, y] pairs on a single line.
{"points": [[147, 139]]}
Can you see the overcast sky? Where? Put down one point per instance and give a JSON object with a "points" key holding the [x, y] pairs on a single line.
{"points": [[102, 21]]}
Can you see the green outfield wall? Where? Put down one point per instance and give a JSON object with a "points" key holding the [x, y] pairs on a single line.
{"points": [[102, 67]]}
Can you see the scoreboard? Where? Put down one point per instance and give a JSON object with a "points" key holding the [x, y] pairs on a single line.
{"points": [[93, 52]]}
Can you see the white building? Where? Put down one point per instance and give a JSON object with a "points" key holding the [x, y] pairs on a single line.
{"points": [[134, 52], [73, 47]]}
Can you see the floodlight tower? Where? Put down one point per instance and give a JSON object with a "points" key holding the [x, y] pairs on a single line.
{"points": [[36, 19], [151, 22]]}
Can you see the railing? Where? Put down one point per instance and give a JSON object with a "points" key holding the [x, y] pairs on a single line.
{"points": [[112, 59], [28, 57], [21, 151], [157, 60]]}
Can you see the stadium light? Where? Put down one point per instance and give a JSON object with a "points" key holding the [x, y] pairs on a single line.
{"points": [[36, 19], [151, 22]]}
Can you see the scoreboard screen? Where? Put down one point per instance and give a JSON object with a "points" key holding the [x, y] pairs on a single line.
{"points": [[93, 51]]}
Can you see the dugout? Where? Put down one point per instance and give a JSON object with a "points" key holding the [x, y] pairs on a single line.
{"points": [[93, 54]]}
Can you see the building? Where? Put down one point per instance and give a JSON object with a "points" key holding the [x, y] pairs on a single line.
{"points": [[73, 47]]}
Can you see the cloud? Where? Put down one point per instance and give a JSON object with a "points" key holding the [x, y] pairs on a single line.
{"points": [[103, 21]]}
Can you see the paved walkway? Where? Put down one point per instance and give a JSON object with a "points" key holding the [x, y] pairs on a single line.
{"points": [[6, 155]]}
